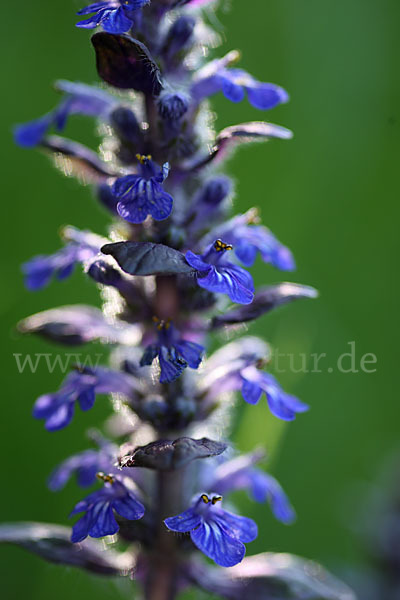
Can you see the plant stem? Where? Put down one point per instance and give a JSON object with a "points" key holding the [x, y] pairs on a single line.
{"points": [[162, 582]]}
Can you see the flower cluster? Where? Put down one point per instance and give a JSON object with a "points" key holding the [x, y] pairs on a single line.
{"points": [[176, 260]]}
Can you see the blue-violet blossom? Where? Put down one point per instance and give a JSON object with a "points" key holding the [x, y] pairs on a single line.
{"points": [[115, 16], [85, 465], [255, 382], [80, 99], [247, 239], [216, 532], [174, 353], [98, 507], [142, 195], [216, 274], [83, 246], [240, 473], [234, 84], [80, 387]]}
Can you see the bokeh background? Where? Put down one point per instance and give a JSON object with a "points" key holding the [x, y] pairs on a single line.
{"points": [[331, 194]]}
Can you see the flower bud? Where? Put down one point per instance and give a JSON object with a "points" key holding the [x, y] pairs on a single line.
{"points": [[125, 124], [179, 35], [104, 273], [172, 107]]}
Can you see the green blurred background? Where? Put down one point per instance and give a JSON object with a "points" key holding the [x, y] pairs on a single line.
{"points": [[331, 194]]}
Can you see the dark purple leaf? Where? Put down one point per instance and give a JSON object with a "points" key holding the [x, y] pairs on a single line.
{"points": [[229, 138], [126, 63], [52, 542], [166, 455], [77, 324], [76, 159], [265, 300], [272, 577], [147, 258]]}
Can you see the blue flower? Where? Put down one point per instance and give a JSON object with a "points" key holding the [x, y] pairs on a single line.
{"points": [[237, 366], [142, 195], [216, 274], [80, 99], [115, 16], [85, 465], [174, 353], [255, 382], [82, 248], [234, 84], [247, 239], [241, 474], [219, 534], [99, 519], [79, 387]]}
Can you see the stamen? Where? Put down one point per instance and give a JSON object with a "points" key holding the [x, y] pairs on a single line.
{"points": [[143, 159], [205, 498], [105, 478], [216, 499], [220, 246], [262, 362], [161, 324], [253, 216], [233, 57]]}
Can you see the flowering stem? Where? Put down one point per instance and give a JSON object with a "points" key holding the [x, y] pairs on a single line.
{"points": [[167, 299], [162, 579]]}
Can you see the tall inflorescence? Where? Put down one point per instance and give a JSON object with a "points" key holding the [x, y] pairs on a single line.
{"points": [[172, 270]]}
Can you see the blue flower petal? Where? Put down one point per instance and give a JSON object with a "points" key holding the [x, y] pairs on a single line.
{"points": [[242, 528], [81, 529], [230, 280], [87, 398], [251, 392], [116, 21], [140, 197], [86, 475], [61, 417], [31, 134], [132, 211], [246, 253], [149, 355], [213, 540], [197, 262], [265, 96], [239, 284], [123, 187], [184, 522], [160, 203], [93, 21], [265, 487], [44, 406], [282, 405], [65, 271], [232, 91], [206, 87], [38, 272], [171, 364], [129, 507], [103, 520], [191, 352]]}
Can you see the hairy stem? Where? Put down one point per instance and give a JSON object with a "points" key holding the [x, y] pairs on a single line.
{"points": [[163, 576]]}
